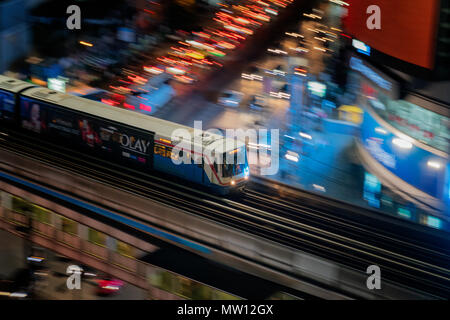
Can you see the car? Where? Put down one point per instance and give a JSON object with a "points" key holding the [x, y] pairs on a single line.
{"points": [[20, 285], [301, 71], [88, 272], [258, 103], [293, 32], [300, 49], [302, 40], [174, 37], [259, 124], [110, 98], [292, 156], [186, 79], [276, 51], [231, 98], [252, 73], [210, 62], [278, 71], [282, 93], [107, 285]]}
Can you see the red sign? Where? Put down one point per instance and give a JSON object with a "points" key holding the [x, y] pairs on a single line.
{"points": [[408, 28]]}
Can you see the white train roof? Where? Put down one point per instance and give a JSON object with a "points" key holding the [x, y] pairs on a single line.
{"points": [[13, 85], [161, 128]]}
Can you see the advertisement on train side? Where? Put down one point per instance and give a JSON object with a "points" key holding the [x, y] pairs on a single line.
{"points": [[109, 140], [6, 106]]}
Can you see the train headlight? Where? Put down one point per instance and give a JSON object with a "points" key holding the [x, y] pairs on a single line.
{"points": [[233, 182]]}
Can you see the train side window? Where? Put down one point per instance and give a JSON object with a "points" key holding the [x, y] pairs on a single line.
{"points": [[157, 149], [168, 152], [160, 150], [163, 151], [188, 159], [176, 155]]}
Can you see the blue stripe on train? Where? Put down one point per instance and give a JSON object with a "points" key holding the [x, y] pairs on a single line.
{"points": [[189, 172]]}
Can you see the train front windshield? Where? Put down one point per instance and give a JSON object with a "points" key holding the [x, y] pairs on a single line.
{"points": [[235, 165]]}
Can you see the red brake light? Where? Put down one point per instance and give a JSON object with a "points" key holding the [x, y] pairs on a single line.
{"points": [[145, 107], [128, 106]]}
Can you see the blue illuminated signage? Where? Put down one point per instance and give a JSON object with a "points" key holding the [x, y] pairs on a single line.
{"points": [[372, 189], [361, 47], [317, 88], [358, 65], [418, 167], [328, 104]]}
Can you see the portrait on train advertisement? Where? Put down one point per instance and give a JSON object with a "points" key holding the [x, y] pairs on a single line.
{"points": [[32, 116], [106, 137], [89, 136]]}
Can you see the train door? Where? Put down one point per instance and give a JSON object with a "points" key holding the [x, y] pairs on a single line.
{"points": [[213, 171], [208, 172], [217, 172], [188, 166], [197, 169]]}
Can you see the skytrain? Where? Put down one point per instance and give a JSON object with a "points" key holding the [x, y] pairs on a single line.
{"points": [[124, 137]]}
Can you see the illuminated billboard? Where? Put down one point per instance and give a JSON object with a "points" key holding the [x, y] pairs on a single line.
{"points": [[415, 165], [408, 28]]}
